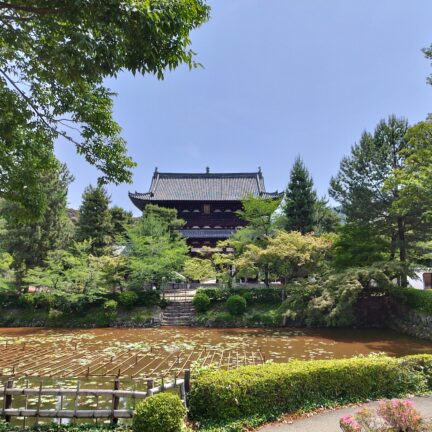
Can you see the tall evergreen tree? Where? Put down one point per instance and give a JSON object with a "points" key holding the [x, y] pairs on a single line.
{"points": [[95, 221], [300, 200], [120, 220], [359, 184], [367, 195], [30, 242]]}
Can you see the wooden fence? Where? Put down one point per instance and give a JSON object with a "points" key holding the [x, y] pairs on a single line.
{"points": [[7, 411]]}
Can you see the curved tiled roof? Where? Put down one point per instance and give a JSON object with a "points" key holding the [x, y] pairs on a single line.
{"points": [[203, 187]]}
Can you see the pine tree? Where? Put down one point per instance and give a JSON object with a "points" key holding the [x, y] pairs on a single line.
{"points": [[95, 221], [30, 242], [300, 200], [120, 220]]}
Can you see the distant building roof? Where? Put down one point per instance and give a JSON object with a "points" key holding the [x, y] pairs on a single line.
{"points": [[202, 187]]}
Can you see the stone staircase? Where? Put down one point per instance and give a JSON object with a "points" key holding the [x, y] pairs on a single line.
{"points": [[180, 310]]}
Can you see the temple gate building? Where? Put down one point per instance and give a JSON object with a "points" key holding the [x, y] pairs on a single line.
{"points": [[206, 201]]}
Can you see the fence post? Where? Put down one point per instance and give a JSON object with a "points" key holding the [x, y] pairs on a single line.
{"points": [[8, 398], [187, 376], [150, 385], [115, 401]]}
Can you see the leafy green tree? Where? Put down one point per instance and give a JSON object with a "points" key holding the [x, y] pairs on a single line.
{"points": [[359, 246], [167, 217], [326, 219], [120, 219], [94, 222], [360, 185], [6, 272], [300, 200], [30, 242], [288, 255], [55, 56], [413, 183], [199, 269], [154, 248], [75, 277], [259, 213], [332, 301]]}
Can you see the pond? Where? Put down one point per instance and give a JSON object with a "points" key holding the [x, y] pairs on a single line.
{"points": [[93, 358], [146, 352]]}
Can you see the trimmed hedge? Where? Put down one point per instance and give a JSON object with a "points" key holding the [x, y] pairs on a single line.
{"points": [[236, 305], [277, 388], [201, 301], [252, 295], [420, 300], [161, 412]]}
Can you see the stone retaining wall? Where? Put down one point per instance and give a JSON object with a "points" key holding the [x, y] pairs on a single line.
{"points": [[411, 322]]}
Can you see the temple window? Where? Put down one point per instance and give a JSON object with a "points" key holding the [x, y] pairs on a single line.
{"points": [[185, 211], [196, 211], [228, 211], [218, 211]]}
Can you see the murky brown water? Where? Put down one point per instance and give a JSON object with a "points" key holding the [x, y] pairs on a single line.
{"points": [[278, 345], [57, 357]]}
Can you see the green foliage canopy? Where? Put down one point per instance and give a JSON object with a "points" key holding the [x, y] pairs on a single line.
{"points": [[54, 57], [30, 242], [287, 255], [199, 269], [154, 248]]}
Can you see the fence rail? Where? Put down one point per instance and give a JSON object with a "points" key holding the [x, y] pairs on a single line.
{"points": [[7, 411]]}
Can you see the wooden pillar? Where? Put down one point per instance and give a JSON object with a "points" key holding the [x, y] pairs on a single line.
{"points": [[8, 398], [187, 377], [115, 401], [150, 385]]}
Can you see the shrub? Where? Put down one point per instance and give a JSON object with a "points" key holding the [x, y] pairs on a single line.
{"points": [[109, 313], [149, 298], [110, 306], [420, 300], [236, 305], [163, 412], [128, 298], [163, 303], [201, 302], [276, 388], [55, 314], [252, 295]]}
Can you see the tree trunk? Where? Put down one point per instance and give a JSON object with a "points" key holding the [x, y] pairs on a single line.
{"points": [[267, 277], [402, 246]]}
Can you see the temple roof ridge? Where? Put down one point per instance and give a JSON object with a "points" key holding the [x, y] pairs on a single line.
{"points": [[207, 186]]}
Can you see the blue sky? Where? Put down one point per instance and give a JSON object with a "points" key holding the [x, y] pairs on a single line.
{"points": [[281, 78]]}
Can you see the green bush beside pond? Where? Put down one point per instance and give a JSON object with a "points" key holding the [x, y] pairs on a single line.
{"points": [[261, 309], [201, 301], [252, 295], [163, 412], [419, 300], [276, 388]]}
